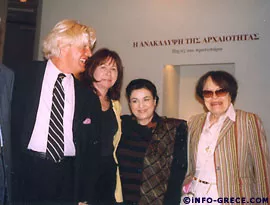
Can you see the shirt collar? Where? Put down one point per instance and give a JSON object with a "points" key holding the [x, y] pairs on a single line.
{"points": [[54, 71], [231, 113]]}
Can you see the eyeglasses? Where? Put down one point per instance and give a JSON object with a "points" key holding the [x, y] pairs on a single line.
{"points": [[219, 93]]}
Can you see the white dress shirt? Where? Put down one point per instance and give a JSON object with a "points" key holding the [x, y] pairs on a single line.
{"points": [[205, 165], [38, 141]]}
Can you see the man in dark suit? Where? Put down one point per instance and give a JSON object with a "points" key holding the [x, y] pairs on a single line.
{"points": [[6, 86], [52, 114]]}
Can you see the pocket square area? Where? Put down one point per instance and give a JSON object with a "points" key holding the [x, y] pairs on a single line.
{"points": [[87, 121]]}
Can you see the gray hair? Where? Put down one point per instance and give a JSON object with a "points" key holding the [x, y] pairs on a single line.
{"points": [[67, 32]]}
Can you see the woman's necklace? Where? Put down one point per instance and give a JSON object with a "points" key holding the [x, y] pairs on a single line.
{"points": [[207, 149]]}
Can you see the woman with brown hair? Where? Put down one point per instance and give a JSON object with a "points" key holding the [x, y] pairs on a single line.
{"points": [[104, 74]]}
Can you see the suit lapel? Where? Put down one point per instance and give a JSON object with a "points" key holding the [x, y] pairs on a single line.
{"points": [[78, 108], [197, 131], [227, 124], [32, 90], [34, 96]]}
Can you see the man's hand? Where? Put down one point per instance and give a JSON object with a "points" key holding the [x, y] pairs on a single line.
{"points": [[82, 203]]}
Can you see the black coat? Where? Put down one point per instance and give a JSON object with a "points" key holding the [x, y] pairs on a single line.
{"points": [[6, 86], [26, 95]]}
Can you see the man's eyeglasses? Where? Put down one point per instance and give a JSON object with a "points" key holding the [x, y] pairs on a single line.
{"points": [[219, 93]]}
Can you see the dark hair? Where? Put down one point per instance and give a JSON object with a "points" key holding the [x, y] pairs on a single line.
{"points": [[100, 57], [221, 78], [139, 84]]}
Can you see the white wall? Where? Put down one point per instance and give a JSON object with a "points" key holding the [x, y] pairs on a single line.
{"points": [[120, 22]]}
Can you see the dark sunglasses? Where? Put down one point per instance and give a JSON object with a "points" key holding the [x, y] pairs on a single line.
{"points": [[219, 93]]}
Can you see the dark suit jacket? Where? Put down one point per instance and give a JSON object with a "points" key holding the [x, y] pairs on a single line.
{"points": [[27, 89], [6, 86]]}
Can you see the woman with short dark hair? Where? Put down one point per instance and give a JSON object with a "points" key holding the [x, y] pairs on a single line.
{"points": [[225, 80], [228, 152], [152, 151]]}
